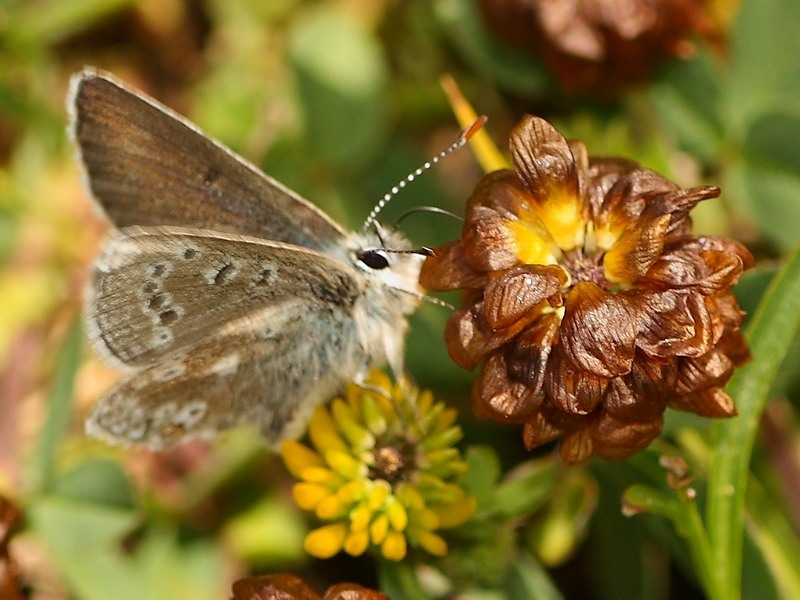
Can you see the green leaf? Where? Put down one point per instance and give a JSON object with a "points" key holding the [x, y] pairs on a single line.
{"points": [[481, 552], [83, 540], [39, 472], [765, 71], [50, 21], [96, 480], [688, 97], [770, 334], [481, 475], [342, 77], [529, 579], [526, 488], [773, 142], [399, 580], [513, 70]]}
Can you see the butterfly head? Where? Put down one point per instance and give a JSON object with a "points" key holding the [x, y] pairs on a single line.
{"points": [[387, 260]]}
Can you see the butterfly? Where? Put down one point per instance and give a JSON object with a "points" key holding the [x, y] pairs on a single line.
{"points": [[224, 297]]}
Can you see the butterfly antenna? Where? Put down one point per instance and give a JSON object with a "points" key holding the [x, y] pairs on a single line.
{"points": [[462, 139], [428, 209]]}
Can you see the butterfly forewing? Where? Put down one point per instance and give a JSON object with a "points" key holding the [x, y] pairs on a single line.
{"points": [[146, 165], [159, 290]]}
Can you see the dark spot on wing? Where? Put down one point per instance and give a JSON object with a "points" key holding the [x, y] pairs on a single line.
{"points": [[168, 317], [211, 176], [266, 277], [157, 301], [159, 270], [224, 274], [189, 253]]}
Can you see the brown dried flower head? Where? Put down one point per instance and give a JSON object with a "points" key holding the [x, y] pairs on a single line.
{"points": [[284, 586], [587, 300], [599, 45]]}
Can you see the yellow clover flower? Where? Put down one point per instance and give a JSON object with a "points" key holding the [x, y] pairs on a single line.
{"points": [[380, 472]]}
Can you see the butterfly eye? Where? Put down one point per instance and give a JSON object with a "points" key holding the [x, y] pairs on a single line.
{"points": [[374, 259]]}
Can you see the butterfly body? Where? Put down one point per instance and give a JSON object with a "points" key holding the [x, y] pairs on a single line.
{"points": [[225, 297]]}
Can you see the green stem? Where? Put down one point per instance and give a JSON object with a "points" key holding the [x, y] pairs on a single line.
{"points": [[770, 333]]}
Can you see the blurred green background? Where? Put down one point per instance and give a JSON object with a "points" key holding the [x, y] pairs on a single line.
{"points": [[340, 100]]}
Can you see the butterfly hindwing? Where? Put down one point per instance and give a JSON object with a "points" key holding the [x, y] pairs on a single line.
{"points": [[270, 376]]}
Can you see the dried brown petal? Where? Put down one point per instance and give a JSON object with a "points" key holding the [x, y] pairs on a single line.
{"points": [[707, 264], [598, 331], [490, 244], [577, 445], [713, 403], [675, 324], [545, 163], [636, 250], [713, 369], [527, 358], [547, 424], [448, 270], [515, 295], [570, 388], [352, 591], [496, 396], [10, 587], [680, 202], [641, 395], [598, 46], [273, 587], [615, 439], [467, 337], [602, 175], [285, 586]]}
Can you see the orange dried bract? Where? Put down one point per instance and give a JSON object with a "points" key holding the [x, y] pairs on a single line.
{"points": [[588, 302]]}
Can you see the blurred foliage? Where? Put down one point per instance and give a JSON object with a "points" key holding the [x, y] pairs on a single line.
{"points": [[340, 99]]}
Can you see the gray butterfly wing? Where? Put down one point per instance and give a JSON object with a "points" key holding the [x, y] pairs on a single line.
{"points": [[159, 290], [271, 375], [219, 330], [146, 165]]}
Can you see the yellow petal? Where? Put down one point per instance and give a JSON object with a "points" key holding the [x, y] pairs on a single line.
{"points": [[308, 495], [323, 476], [344, 464], [431, 543], [356, 542], [394, 546], [379, 493], [378, 529], [322, 431], [325, 541], [357, 435], [372, 414], [532, 248], [427, 518], [353, 492], [360, 518], [409, 496], [398, 517], [298, 457], [331, 508], [455, 513]]}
